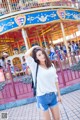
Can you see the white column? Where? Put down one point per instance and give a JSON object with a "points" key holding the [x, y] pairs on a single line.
{"points": [[25, 37], [65, 43], [9, 6], [44, 41]]}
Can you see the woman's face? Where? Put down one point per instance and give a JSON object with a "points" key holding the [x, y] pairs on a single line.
{"points": [[40, 56]]}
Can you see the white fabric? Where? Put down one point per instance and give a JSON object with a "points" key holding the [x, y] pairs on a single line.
{"points": [[71, 48], [52, 49], [1, 63], [46, 78]]}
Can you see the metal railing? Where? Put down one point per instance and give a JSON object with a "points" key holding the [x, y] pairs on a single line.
{"points": [[11, 90], [9, 6]]}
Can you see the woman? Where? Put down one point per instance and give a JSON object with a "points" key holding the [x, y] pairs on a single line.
{"points": [[47, 82]]}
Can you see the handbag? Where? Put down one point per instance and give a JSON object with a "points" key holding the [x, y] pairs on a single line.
{"points": [[34, 85]]}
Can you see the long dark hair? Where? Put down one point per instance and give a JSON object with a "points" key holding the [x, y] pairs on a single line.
{"points": [[47, 61]]}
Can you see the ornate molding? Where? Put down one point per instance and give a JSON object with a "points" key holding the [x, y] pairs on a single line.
{"points": [[40, 17]]}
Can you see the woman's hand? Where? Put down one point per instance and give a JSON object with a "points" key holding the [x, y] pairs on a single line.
{"points": [[60, 99], [28, 53], [58, 92], [36, 46]]}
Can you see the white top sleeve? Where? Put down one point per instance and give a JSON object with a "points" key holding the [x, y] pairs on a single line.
{"points": [[30, 62], [32, 65]]}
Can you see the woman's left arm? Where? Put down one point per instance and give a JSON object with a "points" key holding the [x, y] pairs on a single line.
{"points": [[58, 91], [57, 85]]}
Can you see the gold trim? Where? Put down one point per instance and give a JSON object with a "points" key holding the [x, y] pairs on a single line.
{"points": [[16, 19], [58, 13]]}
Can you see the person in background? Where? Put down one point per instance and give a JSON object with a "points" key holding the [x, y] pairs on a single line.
{"points": [[52, 52], [74, 47], [47, 82], [24, 65], [64, 49], [47, 50], [2, 62]]}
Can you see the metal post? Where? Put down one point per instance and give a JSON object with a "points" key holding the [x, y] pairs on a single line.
{"points": [[29, 42], [44, 40], [11, 50], [40, 42], [51, 39], [25, 37], [65, 42], [9, 6], [18, 47]]}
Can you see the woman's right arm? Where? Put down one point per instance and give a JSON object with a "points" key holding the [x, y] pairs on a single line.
{"points": [[28, 53], [29, 60]]}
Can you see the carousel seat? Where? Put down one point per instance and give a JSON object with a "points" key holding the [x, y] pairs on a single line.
{"points": [[16, 71]]}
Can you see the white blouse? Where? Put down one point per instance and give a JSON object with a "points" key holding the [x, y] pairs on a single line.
{"points": [[46, 78]]}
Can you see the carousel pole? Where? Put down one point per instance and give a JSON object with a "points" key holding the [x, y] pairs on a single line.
{"points": [[65, 42], [25, 37], [48, 39], [40, 42], [29, 42], [11, 50], [9, 6], [44, 39], [76, 36], [51, 39], [18, 47]]}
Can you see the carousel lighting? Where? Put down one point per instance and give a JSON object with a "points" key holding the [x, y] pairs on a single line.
{"points": [[78, 33], [78, 26], [67, 38]]}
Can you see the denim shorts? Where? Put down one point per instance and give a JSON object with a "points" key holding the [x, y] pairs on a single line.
{"points": [[47, 101]]}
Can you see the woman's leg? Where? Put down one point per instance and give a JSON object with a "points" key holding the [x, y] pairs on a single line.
{"points": [[46, 115], [55, 112]]}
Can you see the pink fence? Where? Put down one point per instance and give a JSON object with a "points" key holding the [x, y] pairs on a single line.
{"points": [[7, 94], [66, 75], [12, 90]]}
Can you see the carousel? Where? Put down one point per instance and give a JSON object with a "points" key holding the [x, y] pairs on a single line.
{"points": [[16, 42]]}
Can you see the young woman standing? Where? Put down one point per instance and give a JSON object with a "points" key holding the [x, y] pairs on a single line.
{"points": [[47, 82]]}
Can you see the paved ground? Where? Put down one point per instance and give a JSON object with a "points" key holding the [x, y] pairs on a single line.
{"points": [[71, 103]]}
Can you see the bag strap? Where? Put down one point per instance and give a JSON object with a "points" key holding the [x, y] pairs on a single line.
{"points": [[35, 85]]}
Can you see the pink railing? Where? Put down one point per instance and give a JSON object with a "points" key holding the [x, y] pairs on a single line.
{"points": [[68, 75], [19, 89], [11, 90], [9, 6]]}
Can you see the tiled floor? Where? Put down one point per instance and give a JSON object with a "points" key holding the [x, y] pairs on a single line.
{"points": [[71, 103]]}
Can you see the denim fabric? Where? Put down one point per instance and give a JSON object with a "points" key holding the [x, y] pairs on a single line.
{"points": [[47, 101]]}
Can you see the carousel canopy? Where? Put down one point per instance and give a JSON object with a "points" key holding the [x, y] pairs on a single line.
{"points": [[50, 32]]}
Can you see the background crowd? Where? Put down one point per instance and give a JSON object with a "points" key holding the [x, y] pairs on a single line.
{"points": [[73, 47]]}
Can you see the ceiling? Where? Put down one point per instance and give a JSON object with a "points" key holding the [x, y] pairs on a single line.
{"points": [[52, 30]]}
